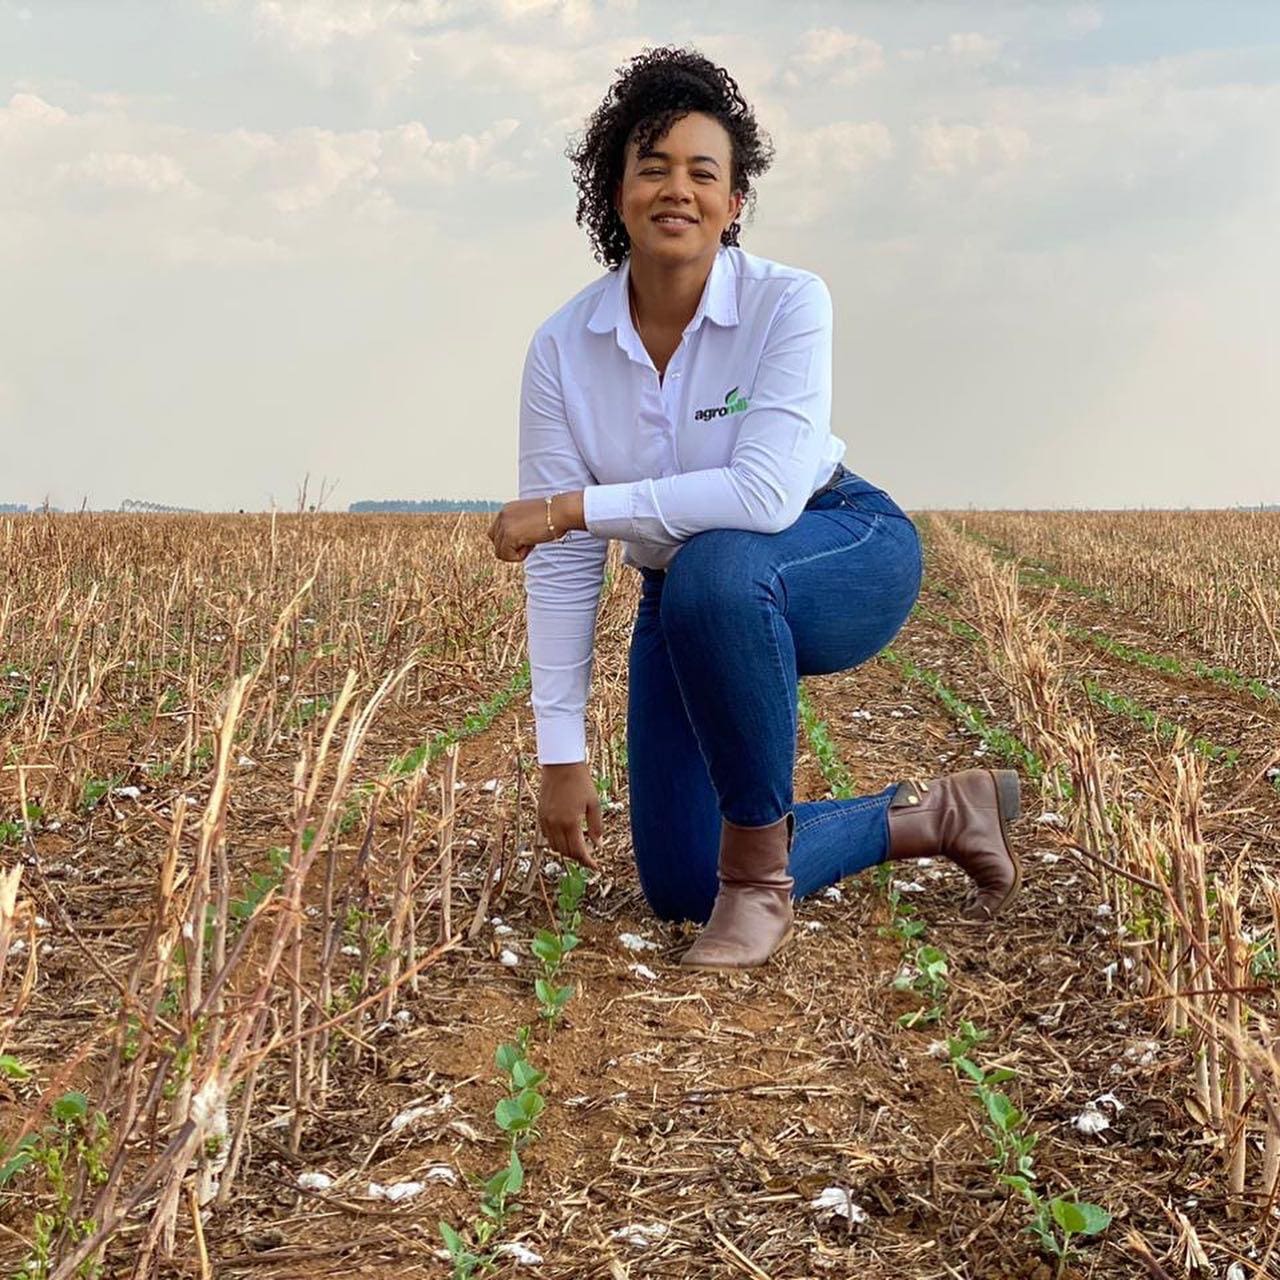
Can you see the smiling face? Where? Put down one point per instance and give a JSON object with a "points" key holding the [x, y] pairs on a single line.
{"points": [[676, 200]]}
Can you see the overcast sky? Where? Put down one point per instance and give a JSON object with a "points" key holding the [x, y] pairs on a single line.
{"points": [[241, 240]]}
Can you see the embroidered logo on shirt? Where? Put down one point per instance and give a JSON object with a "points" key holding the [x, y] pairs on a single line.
{"points": [[733, 403]]}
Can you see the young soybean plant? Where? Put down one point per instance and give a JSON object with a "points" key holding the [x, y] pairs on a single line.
{"points": [[75, 1141], [930, 981], [514, 1115], [1013, 1161], [553, 947]]}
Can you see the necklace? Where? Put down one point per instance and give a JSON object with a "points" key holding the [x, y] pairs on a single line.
{"points": [[635, 319]]}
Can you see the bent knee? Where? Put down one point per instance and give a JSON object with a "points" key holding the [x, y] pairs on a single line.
{"points": [[714, 571]]}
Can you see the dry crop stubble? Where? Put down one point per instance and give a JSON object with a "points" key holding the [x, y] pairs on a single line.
{"points": [[184, 954]]}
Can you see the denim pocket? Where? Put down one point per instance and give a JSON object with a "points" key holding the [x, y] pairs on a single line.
{"points": [[858, 495]]}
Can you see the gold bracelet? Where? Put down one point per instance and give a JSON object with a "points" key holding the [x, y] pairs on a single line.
{"points": [[551, 529]]}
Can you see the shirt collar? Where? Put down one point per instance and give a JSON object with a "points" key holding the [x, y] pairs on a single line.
{"points": [[719, 301]]}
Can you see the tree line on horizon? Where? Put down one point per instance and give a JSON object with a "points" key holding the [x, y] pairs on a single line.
{"points": [[422, 505]]}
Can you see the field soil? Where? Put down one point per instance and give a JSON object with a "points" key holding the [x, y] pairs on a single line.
{"points": [[705, 1126]]}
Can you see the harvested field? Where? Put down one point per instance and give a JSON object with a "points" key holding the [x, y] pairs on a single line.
{"points": [[274, 903]]}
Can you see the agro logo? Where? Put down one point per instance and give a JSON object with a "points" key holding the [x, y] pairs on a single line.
{"points": [[733, 403]]}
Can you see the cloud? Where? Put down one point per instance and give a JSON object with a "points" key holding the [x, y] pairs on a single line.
{"points": [[953, 148], [818, 170], [830, 56], [972, 45], [183, 195], [1083, 19], [125, 171]]}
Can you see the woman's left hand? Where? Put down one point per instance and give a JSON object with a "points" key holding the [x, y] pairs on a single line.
{"points": [[519, 527]]}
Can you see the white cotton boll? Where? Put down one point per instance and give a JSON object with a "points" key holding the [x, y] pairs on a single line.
{"points": [[53, 826], [314, 1182], [938, 1049], [1102, 909], [398, 1191], [1143, 1053], [1110, 1100], [832, 894], [552, 867], [442, 1173], [634, 942], [17, 946], [209, 1107], [859, 715], [908, 886], [837, 1200], [521, 1253], [491, 785], [1091, 1121], [1051, 819], [641, 1235], [411, 1114], [897, 715], [508, 958], [350, 950], [404, 1015], [813, 925], [1236, 1271], [407, 1117], [41, 922], [129, 793], [503, 930], [247, 762], [643, 971]]}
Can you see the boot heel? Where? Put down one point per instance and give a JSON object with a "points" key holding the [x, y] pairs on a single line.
{"points": [[1009, 796]]}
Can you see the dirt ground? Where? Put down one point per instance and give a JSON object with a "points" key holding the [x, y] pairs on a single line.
{"points": [[693, 1120]]}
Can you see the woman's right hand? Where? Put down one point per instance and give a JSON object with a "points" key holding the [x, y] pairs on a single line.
{"points": [[567, 796]]}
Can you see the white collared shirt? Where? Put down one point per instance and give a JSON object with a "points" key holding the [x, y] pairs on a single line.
{"points": [[736, 435]]}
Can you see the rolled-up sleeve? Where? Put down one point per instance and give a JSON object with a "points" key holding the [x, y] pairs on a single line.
{"points": [[775, 458], [562, 578]]}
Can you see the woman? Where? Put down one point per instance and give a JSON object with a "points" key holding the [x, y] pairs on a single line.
{"points": [[681, 402]]}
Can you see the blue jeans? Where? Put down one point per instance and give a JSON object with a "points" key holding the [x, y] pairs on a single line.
{"points": [[720, 638]]}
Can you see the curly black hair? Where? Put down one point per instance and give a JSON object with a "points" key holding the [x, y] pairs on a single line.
{"points": [[657, 88]]}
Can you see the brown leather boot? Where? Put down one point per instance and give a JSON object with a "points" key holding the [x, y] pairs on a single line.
{"points": [[752, 914], [962, 817]]}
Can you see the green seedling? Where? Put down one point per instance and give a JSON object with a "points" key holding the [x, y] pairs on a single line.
{"points": [[827, 754], [514, 1115], [930, 981], [94, 789], [1054, 1221], [552, 948], [475, 723], [1119, 704], [902, 922], [1000, 742], [74, 1142], [12, 1069], [260, 884]]}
